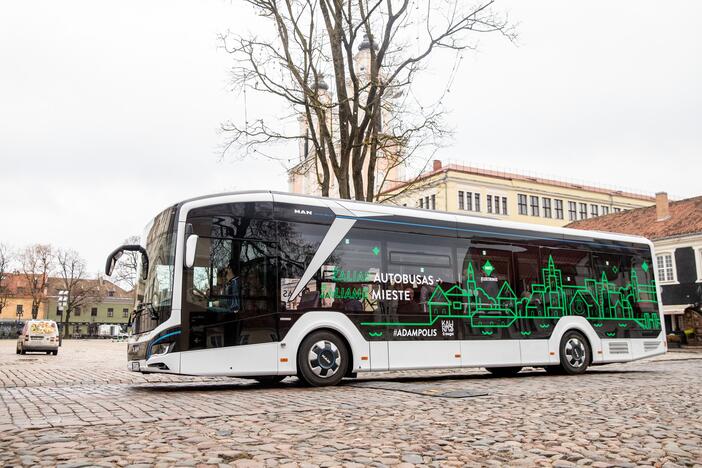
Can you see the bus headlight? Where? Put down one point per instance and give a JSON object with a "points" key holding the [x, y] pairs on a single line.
{"points": [[161, 348]]}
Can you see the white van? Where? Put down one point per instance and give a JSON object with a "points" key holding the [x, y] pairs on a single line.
{"points": [[38, 335]]}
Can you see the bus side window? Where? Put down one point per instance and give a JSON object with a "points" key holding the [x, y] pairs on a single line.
{"points": [[527, 274], [297, 244]]}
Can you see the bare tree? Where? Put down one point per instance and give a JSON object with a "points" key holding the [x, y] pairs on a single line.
{"points": [[125, 273], [5, 261], [37, 263], [374, 120], [73, 280]]}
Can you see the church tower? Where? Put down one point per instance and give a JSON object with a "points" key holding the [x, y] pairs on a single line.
{"points": [[304, 176]]}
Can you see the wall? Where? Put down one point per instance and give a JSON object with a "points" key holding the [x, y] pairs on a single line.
{"points": [[9, 312], [86, 323], [447, 184]]}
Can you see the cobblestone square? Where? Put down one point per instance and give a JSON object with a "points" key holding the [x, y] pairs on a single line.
{"points": [[82, 408]]}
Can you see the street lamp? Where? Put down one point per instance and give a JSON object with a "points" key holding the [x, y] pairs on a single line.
{"points": [[61, 305]]}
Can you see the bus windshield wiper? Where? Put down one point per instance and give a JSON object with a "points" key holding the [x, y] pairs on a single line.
{"points": [[146, 306]]}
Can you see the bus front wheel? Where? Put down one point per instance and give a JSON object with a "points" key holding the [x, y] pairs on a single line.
{"points": [[322, 359], [575, 353]]}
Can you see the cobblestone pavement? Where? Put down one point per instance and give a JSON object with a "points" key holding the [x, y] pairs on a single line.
{"points": [[82, 408]]}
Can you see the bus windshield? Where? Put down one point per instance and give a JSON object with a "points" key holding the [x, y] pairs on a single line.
{"points": [[155, 293]]}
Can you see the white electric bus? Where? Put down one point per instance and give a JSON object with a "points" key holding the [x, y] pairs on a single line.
{"points": [[265, 285]]}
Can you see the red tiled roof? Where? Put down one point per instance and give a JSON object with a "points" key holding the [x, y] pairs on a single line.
{"points": [[685, 218], [14, 281]]}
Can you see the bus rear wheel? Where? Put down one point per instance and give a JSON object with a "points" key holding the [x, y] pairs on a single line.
{"points": [[322, 359], [575, 353], [504, 371]]}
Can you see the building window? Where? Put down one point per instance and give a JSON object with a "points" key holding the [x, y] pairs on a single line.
{"points": [[594, 211], [461, 201], [110, 312], [664, 262], [20, 309], [477, 202], [617, 210], [559, 208], [421, 203], [534, 201], [572, 211], [522, 204], [605, 210], [76, 312], [583, 211], [547, 207], [433, 202], [504, 205], [110, 293], [59, 312], [489, 203], [469, 201], [93, 312], [125, 313]]}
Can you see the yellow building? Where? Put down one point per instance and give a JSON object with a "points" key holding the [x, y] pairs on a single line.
{"points": [[20, 308], [510, 196], [16, 304]]}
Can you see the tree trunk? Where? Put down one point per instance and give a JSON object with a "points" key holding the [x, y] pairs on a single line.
{"points": [[66, 318]]}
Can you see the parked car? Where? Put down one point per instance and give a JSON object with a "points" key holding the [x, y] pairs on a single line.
{"points": [[38, 335]]}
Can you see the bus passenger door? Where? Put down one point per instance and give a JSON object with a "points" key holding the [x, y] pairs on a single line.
{"points": [[229, 303]]}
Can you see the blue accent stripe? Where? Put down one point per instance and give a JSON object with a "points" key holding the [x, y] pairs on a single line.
{"points": [[501, 234]]}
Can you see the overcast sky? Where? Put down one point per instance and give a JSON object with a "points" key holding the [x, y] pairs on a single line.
{"points": [[109, 111]]}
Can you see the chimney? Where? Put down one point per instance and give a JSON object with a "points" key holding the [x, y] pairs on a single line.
{"points": [[662, 210], [437, 164]]}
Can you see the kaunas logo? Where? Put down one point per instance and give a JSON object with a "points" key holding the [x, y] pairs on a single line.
{"points": [[302, 212]]}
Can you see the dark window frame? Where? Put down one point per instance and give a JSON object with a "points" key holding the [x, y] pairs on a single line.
{"points": [[534, 204], [522, 204]]}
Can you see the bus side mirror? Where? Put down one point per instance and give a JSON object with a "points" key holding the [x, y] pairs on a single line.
{"points": [[190, 249]]}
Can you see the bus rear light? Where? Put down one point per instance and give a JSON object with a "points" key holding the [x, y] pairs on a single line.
{"points": [[364, 358], [283, 359], [457, 355], [552, 353]]}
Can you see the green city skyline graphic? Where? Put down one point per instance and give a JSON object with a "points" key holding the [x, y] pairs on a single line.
{"points": [[596, 300]]}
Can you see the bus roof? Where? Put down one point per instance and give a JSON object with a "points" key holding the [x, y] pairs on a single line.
{"points": [[364, 209]]}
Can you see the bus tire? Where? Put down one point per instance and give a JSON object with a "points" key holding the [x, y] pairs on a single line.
{"points": [[269, 379], [504, 371], [322, 359], [575, 353]]}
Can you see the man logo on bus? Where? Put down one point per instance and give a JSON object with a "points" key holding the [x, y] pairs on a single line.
{"points": [[447, 327], [303, 212]]}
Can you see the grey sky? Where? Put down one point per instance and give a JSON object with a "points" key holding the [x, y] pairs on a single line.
{"points": [[109, 111]]}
